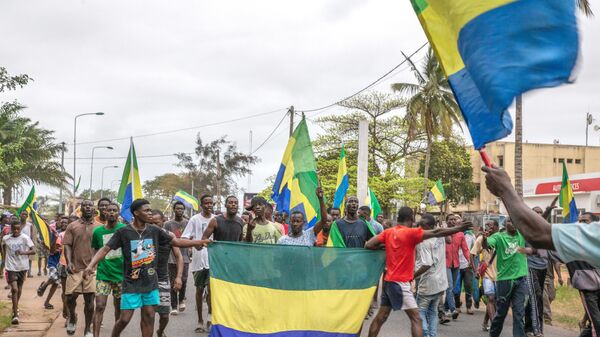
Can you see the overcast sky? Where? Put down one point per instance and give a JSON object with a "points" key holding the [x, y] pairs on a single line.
{"points": [[156, 66]]}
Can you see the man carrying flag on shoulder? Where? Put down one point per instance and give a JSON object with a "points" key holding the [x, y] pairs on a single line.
{"points": [[350, 231]]}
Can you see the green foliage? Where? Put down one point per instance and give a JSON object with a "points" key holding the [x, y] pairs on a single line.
{"points": [[451, 163], [95, 196], [9, 82], [207, 174]]}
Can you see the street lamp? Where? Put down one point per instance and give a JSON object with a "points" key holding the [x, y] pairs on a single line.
{"points": [[75, 146], [102, 179], [92, 164]]}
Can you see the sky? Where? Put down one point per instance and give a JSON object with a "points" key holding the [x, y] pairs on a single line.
{"points": [[156, 66]]}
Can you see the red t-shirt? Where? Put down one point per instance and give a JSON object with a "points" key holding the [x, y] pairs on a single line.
{"points": [[400, 246]]}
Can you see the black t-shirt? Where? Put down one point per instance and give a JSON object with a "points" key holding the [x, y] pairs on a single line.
{"points": [[140, 256], [162, 263], [355, 234], [228, 229]]}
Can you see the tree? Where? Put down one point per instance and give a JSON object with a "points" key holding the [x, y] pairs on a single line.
{"points": [[451, 163], [215, 166], [27, 153], [430, 105]]}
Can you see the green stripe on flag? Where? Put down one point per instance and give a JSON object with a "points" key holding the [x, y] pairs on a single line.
{"points": [[419, 5], [293, 267]]}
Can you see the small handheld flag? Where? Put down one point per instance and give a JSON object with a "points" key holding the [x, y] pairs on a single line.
{"points": [[43, 230], [187, 199], [342, 183], [131, 187], [437, 193], [372, 201], [566, 199]]}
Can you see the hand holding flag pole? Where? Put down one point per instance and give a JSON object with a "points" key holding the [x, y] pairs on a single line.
{"points": [[485, 157]]}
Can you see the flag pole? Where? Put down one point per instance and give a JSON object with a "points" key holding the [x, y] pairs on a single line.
{"points": [[485, 157], [131, 168]]}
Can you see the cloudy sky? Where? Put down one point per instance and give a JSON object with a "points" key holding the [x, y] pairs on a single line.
{"points": [[157, 66]]}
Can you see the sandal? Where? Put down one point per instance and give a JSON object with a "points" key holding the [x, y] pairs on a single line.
{"points": [[40, 290], [48, 306], [200, 329]]}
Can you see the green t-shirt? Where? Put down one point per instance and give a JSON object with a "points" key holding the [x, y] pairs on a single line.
{"points": [[111, 267], [510, 264]]}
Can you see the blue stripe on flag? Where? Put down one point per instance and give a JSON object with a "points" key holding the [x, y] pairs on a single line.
{"points": [[218, 330], [127, 201]]}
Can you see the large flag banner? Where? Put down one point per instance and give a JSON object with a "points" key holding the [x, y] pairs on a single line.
{"points": [[43, 229], [290, 291], [342, 183], [495, 50], [566, 199], [437, 193], [296, 182], [187, 199], [131, 187]]}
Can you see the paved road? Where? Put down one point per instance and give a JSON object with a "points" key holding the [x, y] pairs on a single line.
{"points": [[396, 326]]}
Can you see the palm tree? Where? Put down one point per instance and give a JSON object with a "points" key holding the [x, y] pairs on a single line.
{"points": [[27, 153], [586, 9], [430, 104]]}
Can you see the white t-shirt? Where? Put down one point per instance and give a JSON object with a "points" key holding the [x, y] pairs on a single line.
{"points": [[16, 262], [27, 229], [470, 239], [194, 230], [308, 238], [432, 252]]}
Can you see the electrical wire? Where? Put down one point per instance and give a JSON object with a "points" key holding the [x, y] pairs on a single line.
{"points": [[269, 136], [368, 86]]}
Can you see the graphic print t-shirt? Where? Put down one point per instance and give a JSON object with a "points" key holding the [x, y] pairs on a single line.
{"points": [[268, 233], [111, 267], [139, 256]]}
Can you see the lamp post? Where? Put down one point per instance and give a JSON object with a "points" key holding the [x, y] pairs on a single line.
{"points": [[75, 146], [92, 164], [102, 179]]}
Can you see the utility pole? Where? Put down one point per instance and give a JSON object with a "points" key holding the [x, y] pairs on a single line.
{"points": [[62, 165], [291, 112], [588, 121], [249, 154]]}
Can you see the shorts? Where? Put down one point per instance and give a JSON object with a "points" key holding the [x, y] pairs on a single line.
{"points": [[398, 296], [62, 271], [77, 284], [164, 294], [16, 276], [132, 301], [40, 250], [53, 275], [489, 286], [105, 288], [201, 277]]}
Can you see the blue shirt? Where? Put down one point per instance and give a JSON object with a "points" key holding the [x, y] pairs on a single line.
{"points": [[577, 242]]}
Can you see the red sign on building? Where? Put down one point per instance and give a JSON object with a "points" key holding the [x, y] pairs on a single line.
{"points": [[579, 185]]}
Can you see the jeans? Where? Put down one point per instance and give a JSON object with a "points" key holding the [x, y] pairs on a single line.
{"points": [[510, 293], [452, 274], [178, 296], [466, 279], [591, 304], [428, 305], [534, 311]]}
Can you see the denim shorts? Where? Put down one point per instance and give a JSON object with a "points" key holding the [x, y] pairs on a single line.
{"points": [[489, 286]]}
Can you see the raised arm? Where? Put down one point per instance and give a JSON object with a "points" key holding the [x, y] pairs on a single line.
{"points": [[534, 228], [439, 232], [323, 210]]}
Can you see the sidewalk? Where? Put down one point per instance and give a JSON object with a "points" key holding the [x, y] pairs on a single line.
{"points": [[34, 319]]}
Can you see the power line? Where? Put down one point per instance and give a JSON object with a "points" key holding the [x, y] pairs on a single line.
{"points": [[125, 157], [270, 135], [184, 129], [368, 86]]}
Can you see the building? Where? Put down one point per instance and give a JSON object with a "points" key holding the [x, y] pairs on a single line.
{"points": [[542, 171]]}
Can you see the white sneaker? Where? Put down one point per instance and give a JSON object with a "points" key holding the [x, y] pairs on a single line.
{"points": [[182, 307], [174, 312], [88, 334]]}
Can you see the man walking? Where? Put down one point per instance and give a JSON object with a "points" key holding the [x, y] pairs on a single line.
{"points": [[465, 274], [430, 277], [199, 265], [138, 243], [102, 206], [177, 226], [511, 281], [487, 272], [109, 273], [400, 244], [455, 245], [78, 252]]}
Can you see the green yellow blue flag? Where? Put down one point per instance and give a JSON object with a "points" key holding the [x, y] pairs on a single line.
{"points": [[495, 50], [45, 235], [290, 291], [437, 193], [342, 183], [131, 187], [566, 199], [296, 182], [372, 201], [187, 199]]}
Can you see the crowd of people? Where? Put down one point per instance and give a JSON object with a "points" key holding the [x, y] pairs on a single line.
{"points": [[434, 267]]}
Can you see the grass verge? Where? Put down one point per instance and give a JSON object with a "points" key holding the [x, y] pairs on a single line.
{"points": [[567, 309], [5, 315]]}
